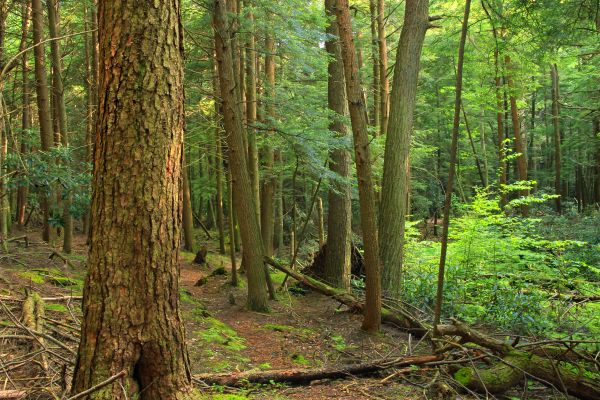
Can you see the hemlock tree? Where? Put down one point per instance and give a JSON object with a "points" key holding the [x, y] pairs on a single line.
{"points": [[131, 319]]}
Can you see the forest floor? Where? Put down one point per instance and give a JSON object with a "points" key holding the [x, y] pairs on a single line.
{"points": [[305, 330]]}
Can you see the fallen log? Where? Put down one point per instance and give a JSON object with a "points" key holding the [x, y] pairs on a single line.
{"points": [[12, 394], [515, 365], [298, 376], [402, 319], [64, 259]]}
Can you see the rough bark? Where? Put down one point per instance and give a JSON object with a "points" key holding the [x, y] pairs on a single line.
{"points": [[187, 217], [396, 165], [556, 126], [131, 318], [243, 200], [41, 86], [4, 204], [368, 215], [452, 167], [219, 170], [339, 217]]}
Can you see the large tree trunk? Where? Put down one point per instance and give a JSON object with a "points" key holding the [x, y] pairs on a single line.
{"points": [[339, 218], [61, 112], [23, 190], [41, 86], [366, 191], [519, 142], [384, 83], [131, 318], [396, 166], [556, 126], [452, 167], [243, 199]]}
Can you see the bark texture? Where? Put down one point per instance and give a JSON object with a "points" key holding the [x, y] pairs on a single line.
{"points": [[396, 166], [339, 217], [368, 215], [131, 299]]}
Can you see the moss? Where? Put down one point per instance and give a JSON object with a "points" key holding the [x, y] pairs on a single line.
{"points": [[279, 328], [464, 376], [56, 307], [32, 276], [64, 282], [187, 297], [300, 359], [221, 333], [264, 366]]}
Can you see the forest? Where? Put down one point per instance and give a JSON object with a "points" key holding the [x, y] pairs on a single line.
{"points": [[299, 199]]}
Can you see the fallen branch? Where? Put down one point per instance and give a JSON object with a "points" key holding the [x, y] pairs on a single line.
{"points": [[398, 317], [298, 376], [63, 258], [98, 386], [12, 394], [23, 238]]}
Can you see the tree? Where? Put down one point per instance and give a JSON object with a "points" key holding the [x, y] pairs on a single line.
{"points": [[131, 318], [384, 84], [452, 167], [41, 87], [556, 126], [243, 200], [368, 217], [396, 166], [339, 218]]}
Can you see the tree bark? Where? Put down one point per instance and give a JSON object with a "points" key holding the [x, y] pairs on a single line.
{"points": [[556, 126], [368, 215], [384, 84], [41, 86], [396, 165], [219, 167], [5, 216], [452, 167], [339, 217], [131, 318], [375, 57], [187, 217], [243, 199]]}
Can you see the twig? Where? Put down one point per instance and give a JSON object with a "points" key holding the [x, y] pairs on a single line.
{"points": [[98, 386]]}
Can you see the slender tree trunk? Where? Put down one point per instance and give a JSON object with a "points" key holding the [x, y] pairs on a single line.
{"points": [[384, 84], [368, 215], [396, 165], [339, 218], [23, 190], [231, 219], [519, 143], [131, 312], [251, 114], [4, 203], [267, 201], [243, 200], [596, 135], [61, 112], [375, 57], [219, 171], [452, 167], [556, 125], [41, 85], [187, 217], [278, 234], [320, 222]]}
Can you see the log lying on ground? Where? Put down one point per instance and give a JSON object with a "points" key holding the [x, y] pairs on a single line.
{"points": [[516, 365], [12, 394], [298, 376], [399, 318], [34, 311]]}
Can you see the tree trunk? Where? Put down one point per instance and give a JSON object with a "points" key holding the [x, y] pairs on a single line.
{"points": [[131, 318], [219, 171], [556, 126], [339, 218], [596, 135], [452, 167], [396, 166], [41, 86], [384, 84], [267, 201], [23, 190], [375, 57], [61, 112], [519, 143], [368, 215], [187, 217], [5, 216], [278, 234], [243, 200]]}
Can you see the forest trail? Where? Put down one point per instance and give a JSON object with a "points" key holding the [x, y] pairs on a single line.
{"points": [[301, 331]]}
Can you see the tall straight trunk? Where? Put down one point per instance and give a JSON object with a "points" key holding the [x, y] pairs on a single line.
{"points": [[232, 239], [556, 126], [61, 112], [519, 142], [396, 165], [4, 204], [187, 216], [339, 218], [375, 57], [596, 134], [219, 171], [452, 167], [41, 86], [384, 84], [131, 318], [251, 113], [366, 191], [278, 229], [243, 199], [267, 201]]}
